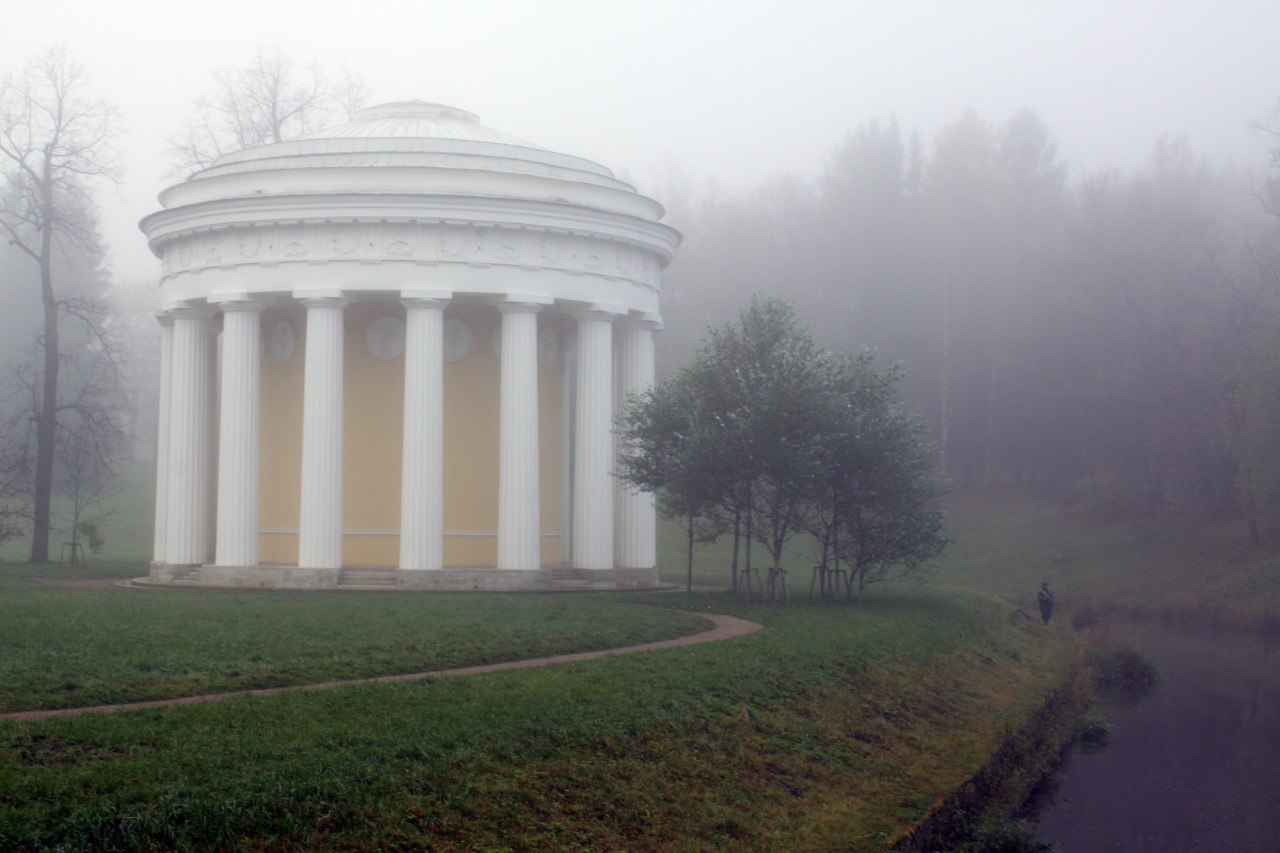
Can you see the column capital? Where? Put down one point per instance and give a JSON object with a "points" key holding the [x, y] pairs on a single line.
{"points": [[650, 320], [521, 302], [243, 306], [519, 307], [599, 311], [227, 299], [425, 296], [320, 296], [324, 301], [165, 319], [188, 311]]}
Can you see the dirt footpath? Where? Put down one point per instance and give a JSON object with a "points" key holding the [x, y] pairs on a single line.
{"points": [[725, 628], [85, 582]]}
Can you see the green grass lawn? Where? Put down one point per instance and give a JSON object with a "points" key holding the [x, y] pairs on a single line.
{"points": [[832, 728], [837, 727], [67, 647]]}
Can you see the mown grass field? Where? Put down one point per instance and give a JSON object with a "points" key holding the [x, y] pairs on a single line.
{"points": [[76, 647], [837, 727], [828, 729]]}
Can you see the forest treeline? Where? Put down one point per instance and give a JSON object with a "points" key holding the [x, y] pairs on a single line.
{"points": [[1111, 339]]}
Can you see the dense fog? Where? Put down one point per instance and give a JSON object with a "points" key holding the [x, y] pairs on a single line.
{"points": [[1108, 337]]}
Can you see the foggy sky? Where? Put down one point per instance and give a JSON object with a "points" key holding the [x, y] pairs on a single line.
{"points": [[737, 91]]}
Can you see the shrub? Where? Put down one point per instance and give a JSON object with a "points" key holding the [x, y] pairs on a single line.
{"points": [[1121, 671], [1009, 836], [1093, 733]]}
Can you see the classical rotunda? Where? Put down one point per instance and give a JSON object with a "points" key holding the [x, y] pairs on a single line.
{"points": [[391, 355]]}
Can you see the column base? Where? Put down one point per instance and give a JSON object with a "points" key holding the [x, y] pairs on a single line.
{"points": [[379, 579]]}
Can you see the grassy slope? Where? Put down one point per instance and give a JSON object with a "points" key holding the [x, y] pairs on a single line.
{"points": [[823, 731], [1007, 545], [1167, 567]]}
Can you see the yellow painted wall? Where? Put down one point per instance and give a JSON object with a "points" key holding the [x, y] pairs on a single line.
{"points": [[373, 423], [373, 429], [280, 443]]}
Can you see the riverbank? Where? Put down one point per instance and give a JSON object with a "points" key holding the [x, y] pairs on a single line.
{"points": [[1000, 790]]}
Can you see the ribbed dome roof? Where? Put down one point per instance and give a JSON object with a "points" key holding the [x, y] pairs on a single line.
{"points": [[417, 120], [410, 133]]}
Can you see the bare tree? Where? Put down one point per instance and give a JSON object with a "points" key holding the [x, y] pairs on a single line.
{"points": [[91, 443], [15, 487], [267, 101], [56, 138]]}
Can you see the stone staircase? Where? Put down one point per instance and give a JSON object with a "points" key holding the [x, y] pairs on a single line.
{"points": [[358, 578]]}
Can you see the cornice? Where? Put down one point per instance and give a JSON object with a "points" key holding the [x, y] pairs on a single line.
{"points": [[445, 209], [346, 241]]}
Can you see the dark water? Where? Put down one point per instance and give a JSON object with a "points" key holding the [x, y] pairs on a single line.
{"points": [[1194, 766]]}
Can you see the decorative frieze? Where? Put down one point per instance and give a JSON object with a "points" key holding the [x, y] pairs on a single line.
{"points": [[420, 242]]}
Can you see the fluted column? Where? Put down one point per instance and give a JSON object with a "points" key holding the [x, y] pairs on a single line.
{"points": [[320, 519], [593, 457], [518, 493], [237, 525], [422, 458], [162, 440], [187, 538], [637, 527]]}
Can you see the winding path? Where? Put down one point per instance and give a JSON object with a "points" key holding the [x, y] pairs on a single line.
{"points": [[725, 628]]}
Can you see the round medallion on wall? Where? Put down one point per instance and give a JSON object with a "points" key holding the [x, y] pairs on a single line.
{"points": [[458, 339], [384, 338], [548, 347], [284, 341]]}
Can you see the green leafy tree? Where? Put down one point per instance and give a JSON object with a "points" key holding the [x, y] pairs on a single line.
{"points": [[768, 435], [875, 509], [726, 442], [674, 452]]}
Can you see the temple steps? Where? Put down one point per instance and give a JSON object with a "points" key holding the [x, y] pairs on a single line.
{"points": [[365, 578]]}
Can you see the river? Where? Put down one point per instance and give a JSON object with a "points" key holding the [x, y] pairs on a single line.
{"points": [[1194, 766]]}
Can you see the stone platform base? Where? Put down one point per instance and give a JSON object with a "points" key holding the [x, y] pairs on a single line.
{"points": [[552, 579]]}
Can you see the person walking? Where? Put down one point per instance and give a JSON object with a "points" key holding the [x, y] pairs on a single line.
{"points": [[1045, 597]]}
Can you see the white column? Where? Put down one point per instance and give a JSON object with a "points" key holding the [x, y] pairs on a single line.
{"points": [[237, 525], [568, 387], [593, 457], [636, 546], [162, 439], [422, 458], [518, 493], [320, 518], [187, 538]]}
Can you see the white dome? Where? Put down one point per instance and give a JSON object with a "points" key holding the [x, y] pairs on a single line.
{"points": [[417, 119], [413, 134]]}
